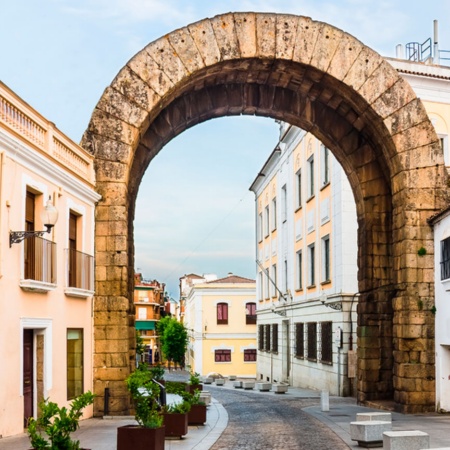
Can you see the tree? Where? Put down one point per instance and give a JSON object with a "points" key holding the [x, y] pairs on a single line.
{"points": [[174, 339]]}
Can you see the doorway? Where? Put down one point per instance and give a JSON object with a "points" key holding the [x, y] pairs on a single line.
{"points": [[28, 375], [286, 352]]}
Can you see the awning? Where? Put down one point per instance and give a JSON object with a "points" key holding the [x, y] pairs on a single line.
{"points": [[145, 325]]}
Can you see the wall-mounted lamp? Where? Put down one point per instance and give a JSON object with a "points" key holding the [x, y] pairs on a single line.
{"points": [[49, 216]]}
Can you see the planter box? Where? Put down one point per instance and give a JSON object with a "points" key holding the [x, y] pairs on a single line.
{"points": [[280, 388], [176, 424], [191, 388], [197, 415], [208, 380], [264, 387], [220, 382], [134, 437]]}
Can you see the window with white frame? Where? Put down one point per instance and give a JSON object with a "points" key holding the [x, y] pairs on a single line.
{"points": [[445, 259], [260, 285], [222, 355], [325, 164], [326, 275], [299, 280], [274, 214], [260, 227], [249, 355], [266, 221], [285, 275], [311, 183], [266, 284], [284, 203], [273, 292], [311, 265], [443, 139], [298, 189]]}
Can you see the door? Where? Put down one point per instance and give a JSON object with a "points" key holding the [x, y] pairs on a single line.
{"points": [[28, 364], [286, 366]]}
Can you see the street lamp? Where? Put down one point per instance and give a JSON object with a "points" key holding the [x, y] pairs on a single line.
{"points": [[49, 216]]}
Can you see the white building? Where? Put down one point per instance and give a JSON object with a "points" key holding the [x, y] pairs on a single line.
{"points": [[307, 275]]}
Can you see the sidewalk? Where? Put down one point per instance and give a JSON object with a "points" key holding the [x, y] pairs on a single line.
{"points": [[100, 434]]}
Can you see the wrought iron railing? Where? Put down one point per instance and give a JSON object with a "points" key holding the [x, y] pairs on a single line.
{"points": [[80, 270], [326, 342], [40, 260]]}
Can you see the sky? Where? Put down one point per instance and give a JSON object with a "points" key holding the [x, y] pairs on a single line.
{"points": [[194, 213]]}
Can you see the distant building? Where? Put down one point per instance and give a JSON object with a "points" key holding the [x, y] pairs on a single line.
{"points": [[46, 279], [150, 306], [307, 273], [220, 316]]}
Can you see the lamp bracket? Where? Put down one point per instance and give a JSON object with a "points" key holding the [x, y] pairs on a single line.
{"points": [[18, 236]]}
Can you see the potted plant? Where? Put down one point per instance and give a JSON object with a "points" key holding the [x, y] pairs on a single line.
{"points": [[53, 427], [194, 383], [148, 434], [176, 419], [197, 413]]}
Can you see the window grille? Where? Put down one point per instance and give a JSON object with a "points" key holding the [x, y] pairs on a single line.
{"points": [[222, 356], [249, 355], [326, 342], [267, 338], [275, 338], [300, 340], [445, 259], [312, 341], [261, 337]]}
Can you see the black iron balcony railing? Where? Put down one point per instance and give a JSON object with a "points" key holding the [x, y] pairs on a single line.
{"points": [[40, 260], [81, 270]]}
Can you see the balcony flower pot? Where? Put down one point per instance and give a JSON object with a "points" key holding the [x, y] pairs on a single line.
{"points": [[197, 414], [149, 434]]}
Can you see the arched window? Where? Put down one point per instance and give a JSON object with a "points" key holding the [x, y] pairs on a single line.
{"points": [[250, 313], [222, 314]]}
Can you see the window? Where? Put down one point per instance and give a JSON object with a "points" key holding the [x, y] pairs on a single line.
{"points": [[250, 355], [222, 314], [260, 338], [72, 249], [260, 227], [267, 338], [445, 259], [273, 291], [325, 153], [326, 259], [266, 284], [298, 189], [74, 363], [311, 265], [326, 342], [260, 285], [299, 283], [299, 340], [274, 338], [266, 221], [39, 253], [274, 214], [444, 146], [283, 204], [142, 313], [312, 341], [311, 176], [222, 356], [250, 313]]}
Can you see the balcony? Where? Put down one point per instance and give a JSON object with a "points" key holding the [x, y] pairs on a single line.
{"points": [[80, 274], [39, 265]]}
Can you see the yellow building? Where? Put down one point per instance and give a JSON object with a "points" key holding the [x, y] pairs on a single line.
{"points": [[46, 272], [149, 303], [220, 316]]}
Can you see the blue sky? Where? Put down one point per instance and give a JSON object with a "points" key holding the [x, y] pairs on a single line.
{"points": [[194, 210]]}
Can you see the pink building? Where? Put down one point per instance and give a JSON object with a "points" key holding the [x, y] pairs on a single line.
{"points": [[46, 273]]}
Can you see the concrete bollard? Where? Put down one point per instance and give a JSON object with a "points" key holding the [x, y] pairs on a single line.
{"points": [[324, 401]]}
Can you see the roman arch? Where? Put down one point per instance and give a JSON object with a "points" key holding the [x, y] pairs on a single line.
{"points": [[323, 80]]}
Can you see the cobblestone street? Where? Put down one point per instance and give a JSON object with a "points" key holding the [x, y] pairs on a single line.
{"points": [[259, 422]]}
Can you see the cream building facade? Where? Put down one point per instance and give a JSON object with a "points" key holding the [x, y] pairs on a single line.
{"points": [[306, 257], [220, 316], [46, 281]]}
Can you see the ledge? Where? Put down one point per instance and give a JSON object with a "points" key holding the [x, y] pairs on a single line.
{"points": [[78, 293], [36, 286]]}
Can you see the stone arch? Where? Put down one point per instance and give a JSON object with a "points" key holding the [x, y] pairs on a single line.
{"points": [[325, 81]]}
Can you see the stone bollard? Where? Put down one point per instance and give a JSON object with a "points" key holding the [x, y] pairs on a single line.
{"points": [[324, 401]]}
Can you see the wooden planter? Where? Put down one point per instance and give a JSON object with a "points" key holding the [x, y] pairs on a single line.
{"points": [[176, 424], [134, 437], [197, 415], [191, 388]]}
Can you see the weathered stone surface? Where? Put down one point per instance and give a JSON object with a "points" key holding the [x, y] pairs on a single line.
{"points": [[319, 78]]}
